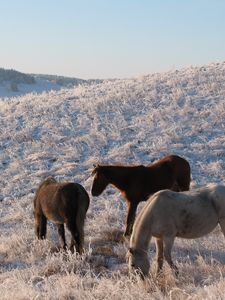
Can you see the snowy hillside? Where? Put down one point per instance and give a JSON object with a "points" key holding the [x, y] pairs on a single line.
{"points": [[130, 121]]}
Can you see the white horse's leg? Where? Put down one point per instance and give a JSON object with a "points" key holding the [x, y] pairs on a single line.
{"points": [[168, 244], [159, 254]]}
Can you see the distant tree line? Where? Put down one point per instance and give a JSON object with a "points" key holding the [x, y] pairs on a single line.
{"points": [[65, 81], [14, 78], [60, 80]]}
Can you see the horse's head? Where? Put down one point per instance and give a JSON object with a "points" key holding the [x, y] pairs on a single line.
{"points": [[138, 262], [100, 182]]}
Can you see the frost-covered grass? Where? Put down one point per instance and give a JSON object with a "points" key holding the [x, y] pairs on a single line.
{"points": [[128, 121]]}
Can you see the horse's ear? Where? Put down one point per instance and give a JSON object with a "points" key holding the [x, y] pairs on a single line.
{"points": [[50, 179], [95, 169]]}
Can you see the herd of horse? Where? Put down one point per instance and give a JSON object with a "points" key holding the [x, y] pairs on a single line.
{"points": [[171, 209]]}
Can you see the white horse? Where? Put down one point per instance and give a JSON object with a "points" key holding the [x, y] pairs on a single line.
{"points": [[169, 214]]}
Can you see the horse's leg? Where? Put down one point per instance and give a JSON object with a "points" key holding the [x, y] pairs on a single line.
{"points": [[80, 237], [61, 232], [159, 254], [37, 226], [77, 235], [222, 225], [168, 244], [41, 226], [79, 240], [73, 244], [132, 208]]}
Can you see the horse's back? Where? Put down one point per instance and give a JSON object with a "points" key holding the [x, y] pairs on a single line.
{"points": [[188, 214], [194, 201]]}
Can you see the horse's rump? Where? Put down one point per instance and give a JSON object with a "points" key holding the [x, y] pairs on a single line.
{"points": [[74, 198], [180, 172]]}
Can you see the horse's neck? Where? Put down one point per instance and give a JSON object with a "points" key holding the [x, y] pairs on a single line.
{"points": [[141, 232], [140, 242], [117, 176]]}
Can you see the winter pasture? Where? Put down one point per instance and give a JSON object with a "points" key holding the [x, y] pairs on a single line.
{"points": [[126, 121]]}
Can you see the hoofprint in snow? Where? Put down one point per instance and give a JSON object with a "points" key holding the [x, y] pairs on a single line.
{"points": [[130, 121]]}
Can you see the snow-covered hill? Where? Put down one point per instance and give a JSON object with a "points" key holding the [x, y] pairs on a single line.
{"points": [[128, 121]]}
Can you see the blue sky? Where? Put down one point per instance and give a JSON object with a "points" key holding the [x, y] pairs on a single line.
{"points": [[110, 38]]}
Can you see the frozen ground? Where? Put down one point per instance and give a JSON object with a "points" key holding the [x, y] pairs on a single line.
{"points": [[129, 121]]}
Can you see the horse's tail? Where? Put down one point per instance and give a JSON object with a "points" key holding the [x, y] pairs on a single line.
{"points": [[74, 198], [76, 202]]}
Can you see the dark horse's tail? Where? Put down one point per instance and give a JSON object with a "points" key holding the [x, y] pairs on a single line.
{"points": [[75, 198], [76, 202]]}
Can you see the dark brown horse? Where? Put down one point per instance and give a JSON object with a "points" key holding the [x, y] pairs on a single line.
{"points": [[136, 183], [61, 203]]}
